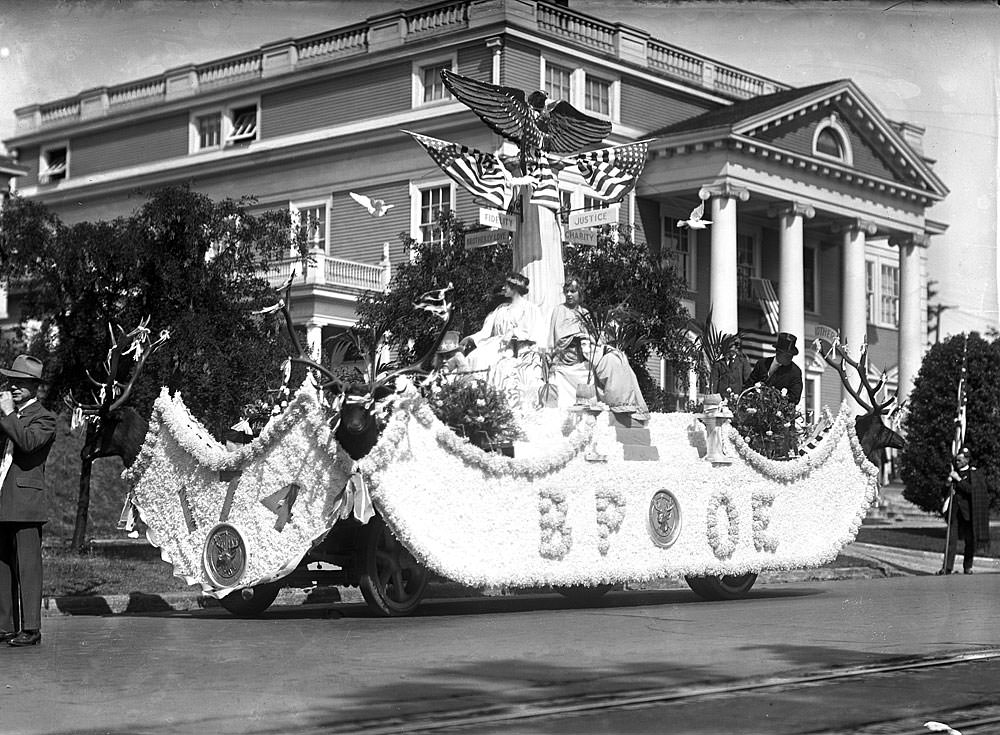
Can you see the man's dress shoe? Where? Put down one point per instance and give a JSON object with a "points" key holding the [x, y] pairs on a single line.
{"points": [[26, 638], [6, 636]]}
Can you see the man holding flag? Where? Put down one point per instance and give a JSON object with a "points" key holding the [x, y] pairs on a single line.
{"points": [[967, 505]]}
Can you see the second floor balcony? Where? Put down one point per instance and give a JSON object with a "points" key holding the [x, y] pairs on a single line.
{"points": [[325, 270]]}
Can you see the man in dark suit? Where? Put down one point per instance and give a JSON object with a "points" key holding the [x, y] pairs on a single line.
{"points": [[27, 431], [779, 371], [968, 513]]}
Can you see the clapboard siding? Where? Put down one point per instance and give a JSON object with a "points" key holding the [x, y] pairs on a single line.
{"points": [[336, 100], [476, 62], [130, 145], [521, 65], [358, 236]]}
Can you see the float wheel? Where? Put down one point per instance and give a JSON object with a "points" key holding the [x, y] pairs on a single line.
{"points": [[728, 587], [250, 602], [391, 580], [584, 595]]}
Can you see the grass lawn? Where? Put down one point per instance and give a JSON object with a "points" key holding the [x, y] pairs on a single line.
{"points": [[923, 538]]}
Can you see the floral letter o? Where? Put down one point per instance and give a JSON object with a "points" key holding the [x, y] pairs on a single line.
{"points": [[723, 548]]}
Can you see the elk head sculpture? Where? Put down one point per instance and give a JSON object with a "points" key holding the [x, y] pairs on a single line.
{"points": [[871, 426], [113, 429], [357, 428]]}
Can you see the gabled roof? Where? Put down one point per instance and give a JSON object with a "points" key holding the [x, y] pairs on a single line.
{"points": [[759, 120], [739, 111]]}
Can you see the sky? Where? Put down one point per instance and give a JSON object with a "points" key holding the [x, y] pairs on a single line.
{"points": [[935, 64]]}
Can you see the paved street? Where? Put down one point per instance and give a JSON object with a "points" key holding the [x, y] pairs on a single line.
{"points": [[322, 668]]}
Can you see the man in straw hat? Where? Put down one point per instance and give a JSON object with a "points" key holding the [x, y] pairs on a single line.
{"points": [[27, 431], [780, 371]]}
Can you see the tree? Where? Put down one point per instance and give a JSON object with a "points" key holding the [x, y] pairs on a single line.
{"points": [[618, 273], [193, 265], [933, 406]]}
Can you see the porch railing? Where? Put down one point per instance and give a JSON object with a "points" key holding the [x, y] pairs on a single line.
{"points": [[329, 271]]}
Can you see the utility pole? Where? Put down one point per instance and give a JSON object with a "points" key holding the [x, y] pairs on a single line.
{"points": [[934, 312]]}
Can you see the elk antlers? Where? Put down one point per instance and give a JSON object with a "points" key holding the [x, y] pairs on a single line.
{"points": [[111, 394], [860, 366]]}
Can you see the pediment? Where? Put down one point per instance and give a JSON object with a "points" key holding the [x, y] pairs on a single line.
{"points": [[870, 144]]}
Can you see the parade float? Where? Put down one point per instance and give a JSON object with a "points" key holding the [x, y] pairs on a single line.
{"points": [[378, 491]]}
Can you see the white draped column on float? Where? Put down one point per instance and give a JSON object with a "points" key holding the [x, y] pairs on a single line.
{"points": [[538, 253], [723, 290], [791, 287], [911, 342], [854, 317]]}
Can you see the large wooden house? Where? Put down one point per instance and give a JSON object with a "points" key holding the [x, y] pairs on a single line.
{"points": [[817, 200]]}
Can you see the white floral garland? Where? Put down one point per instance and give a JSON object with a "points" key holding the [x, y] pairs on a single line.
{"points": [[171, 413], [610, 514], [723, 549], [497, 465], [793, 469], [556, 537]]}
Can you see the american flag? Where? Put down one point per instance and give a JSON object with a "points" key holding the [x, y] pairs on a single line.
{"points": [[481, 174], [960, 423], [610, 172], [546, 191]]}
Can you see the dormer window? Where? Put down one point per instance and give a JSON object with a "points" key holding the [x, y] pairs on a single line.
{"points": [[53, 164], [831, 140], [234, 126]]}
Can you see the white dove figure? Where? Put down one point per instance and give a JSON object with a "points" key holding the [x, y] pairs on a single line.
{"points": [[375, 207], [941, 727], [694, 220]]}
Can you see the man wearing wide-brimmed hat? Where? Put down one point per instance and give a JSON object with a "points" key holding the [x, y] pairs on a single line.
{"points": [[780, 371], [27, 431]]}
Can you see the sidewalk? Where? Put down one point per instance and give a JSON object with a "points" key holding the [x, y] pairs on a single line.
{"points": [[886, 561]]}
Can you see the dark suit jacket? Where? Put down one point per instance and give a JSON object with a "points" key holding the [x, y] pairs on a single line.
{"points": [[785, 376], [22, 496], [972, 504]]}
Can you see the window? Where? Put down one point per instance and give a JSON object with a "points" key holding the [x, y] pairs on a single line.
{"points": [[747, 267], [428, 87], [236, 125], [557, 82], [425, 204], [244, 128], [597, 97], [53, 164], [585, 91], [676, 249], [830, 140], [882, 292], [312, 217], [209, 130], [809, 278]]}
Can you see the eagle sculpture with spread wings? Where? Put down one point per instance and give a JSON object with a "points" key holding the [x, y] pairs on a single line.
{"points": [[533, 123]]}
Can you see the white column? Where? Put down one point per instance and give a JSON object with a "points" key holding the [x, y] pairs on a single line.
{"points": [[791, 289], [723, 289], [314, 339], [496, 45], [910, 292], [853, 320]]}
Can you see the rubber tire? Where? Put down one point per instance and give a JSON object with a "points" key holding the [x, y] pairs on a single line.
{"points": [[263, 596], [729, 587], [391, 580], [584, 595]]}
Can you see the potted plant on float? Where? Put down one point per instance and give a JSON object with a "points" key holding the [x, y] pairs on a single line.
{"points": [[476, 410], [768, 421]]}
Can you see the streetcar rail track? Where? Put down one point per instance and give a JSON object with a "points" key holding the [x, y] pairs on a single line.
{"points": [[582, 704]]}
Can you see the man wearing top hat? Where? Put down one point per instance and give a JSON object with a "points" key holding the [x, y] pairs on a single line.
{"points": [[780, 371], [27, 431]]}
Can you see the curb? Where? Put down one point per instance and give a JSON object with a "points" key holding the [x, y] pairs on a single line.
{"points": [[139, 603]]}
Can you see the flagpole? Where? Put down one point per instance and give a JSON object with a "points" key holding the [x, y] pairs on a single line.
{"points": [[956, 445]]}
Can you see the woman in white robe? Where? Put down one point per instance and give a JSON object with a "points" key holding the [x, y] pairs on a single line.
{"points": [[573, 356]]}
